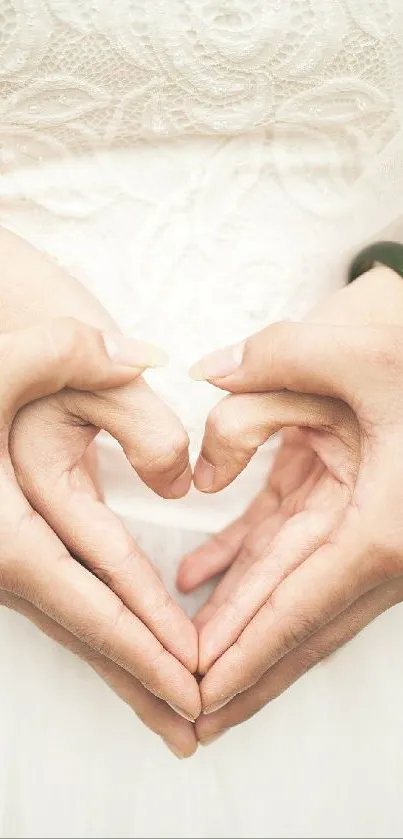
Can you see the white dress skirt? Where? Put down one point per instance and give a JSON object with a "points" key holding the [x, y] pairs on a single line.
{"points": [[205, 168]]}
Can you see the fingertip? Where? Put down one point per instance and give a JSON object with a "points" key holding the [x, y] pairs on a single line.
{"points": [[181, 485], [125, 351], [184, 696], [196, 372], [211, 699], [184, 581], [207, 729], [211, 479], [184, 715], [204, 475], [191, 574], [180, 583], [164, 486], [180, 738], [219, 364], [176, 750]]}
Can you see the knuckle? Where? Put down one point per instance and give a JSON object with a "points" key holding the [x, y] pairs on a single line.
{"points": [[224, 423], [296, 628], [310, 655], [151, 674], [105, 640], [117, 566], [156, 663], [166, 454], [240, 422], [106, 572], [180, 444], [299, 628]]}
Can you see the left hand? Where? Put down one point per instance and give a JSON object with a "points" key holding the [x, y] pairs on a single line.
{"points": [[320, 552]]}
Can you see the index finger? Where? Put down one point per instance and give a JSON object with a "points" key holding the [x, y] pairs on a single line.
{"points": [[93, 532], [177, 733], [35, 565], [55, 482], [313, 594]]}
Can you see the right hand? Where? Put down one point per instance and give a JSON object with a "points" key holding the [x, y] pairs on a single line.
{"points": [[114, 612]]}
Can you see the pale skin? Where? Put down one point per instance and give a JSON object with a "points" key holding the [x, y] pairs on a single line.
{"points": [[327, 500], [320, 552], [118, 618]]}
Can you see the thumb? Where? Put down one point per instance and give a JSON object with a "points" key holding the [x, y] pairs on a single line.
{"points": [[63, 353], [337, 361]]}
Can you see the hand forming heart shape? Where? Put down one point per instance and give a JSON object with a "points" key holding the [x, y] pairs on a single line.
{"points": [[320, 553], [321, 565]]}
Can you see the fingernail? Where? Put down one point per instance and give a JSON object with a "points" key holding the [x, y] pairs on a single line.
{"points": [[131, 353], [182, 713], [182, 484], [211, 709], [204, 474], [174, 749], [218, 364], [209, 740]]}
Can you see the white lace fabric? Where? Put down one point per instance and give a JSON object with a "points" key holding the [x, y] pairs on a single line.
{"points": [[79, 75], [204, 166]]}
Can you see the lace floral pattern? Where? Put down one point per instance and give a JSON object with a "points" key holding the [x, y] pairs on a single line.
{"points": [[322, 78], [89, 74]]}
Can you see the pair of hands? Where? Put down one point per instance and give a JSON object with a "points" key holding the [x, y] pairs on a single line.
{"points": [[316, 557]]}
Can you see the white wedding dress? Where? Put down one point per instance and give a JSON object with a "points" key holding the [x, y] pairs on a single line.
{"points": [[205, 167]]}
